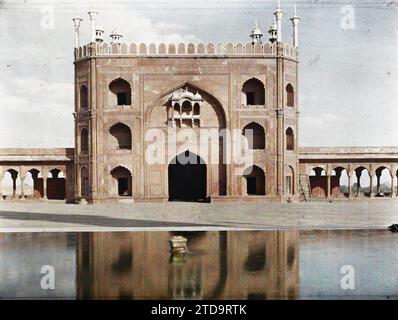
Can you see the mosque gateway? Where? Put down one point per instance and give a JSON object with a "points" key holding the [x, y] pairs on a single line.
{"points": [[192, 122]]}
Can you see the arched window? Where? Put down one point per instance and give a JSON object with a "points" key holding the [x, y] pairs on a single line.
{"points": [[120, 136], [289, 139], [84, 141], [123, 181], [121, 90], [253, 92], [289, 180], [186, 108], [255, 135], [289, 95], [83, 97]]}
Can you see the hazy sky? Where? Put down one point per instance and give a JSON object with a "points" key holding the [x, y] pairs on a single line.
{"points": [[348, 77]]}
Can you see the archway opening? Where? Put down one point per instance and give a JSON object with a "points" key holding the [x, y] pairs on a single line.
{"points": [[318, 182], [289, 139], [290, 96], [83, 97], [121, 90], [37, 183], [289, 181], [339, 183], [123, 185], [255, 135], [29, 185], [120, 136], [187, 178], [362, 184], [383, 182], [255, 180], [10, 184], [253, 92], [56, 185]]}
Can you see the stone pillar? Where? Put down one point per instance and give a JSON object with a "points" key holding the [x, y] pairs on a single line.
{"points": [[378, 183], [1, 186], [244, 186], [338, 176], [45, 187], [358, 175], [393, 186], [329, 191], [14, 185], [394, 190], [371, 185], [349, 185], [22, 178]]}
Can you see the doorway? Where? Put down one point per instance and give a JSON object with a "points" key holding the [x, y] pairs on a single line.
{"points": [[187, 178]]}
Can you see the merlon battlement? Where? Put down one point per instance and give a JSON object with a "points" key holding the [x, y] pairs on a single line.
{"points": [[182, 49]]}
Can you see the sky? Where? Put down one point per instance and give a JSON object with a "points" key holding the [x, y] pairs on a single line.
{"points": [[348, 60]]}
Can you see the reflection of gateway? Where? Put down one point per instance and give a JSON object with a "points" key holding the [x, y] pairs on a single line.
{"points": [[219, 265]]}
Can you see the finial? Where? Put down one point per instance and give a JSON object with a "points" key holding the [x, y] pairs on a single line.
{"points": [[278, 14], [76, 21], [93, 15], [295, 21]]}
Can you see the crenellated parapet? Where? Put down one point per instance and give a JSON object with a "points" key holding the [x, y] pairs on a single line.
{"points": [[190, 49]]}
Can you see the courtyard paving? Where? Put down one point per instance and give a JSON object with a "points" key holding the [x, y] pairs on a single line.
{"points": [[45, 216]]}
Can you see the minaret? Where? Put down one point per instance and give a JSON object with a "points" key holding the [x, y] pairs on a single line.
{"points": [[116, 36], [93, 18], [295, 20], [99, 34], [278, 18], [272, 32], [256, 34], [77, 21]]}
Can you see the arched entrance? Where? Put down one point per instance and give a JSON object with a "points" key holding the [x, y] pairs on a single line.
{"points": [[187, 178]]}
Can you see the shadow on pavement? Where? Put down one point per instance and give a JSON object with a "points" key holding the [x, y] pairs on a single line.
{"points": [[95, 220]]}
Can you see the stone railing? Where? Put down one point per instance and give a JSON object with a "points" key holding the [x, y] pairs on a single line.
{"points": [[210, 49]]}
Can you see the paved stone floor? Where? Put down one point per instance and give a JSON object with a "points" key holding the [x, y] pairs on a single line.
{"points": [[44, 216]]}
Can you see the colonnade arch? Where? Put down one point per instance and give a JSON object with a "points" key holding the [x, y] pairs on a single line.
{"points": [[352, 181], [31, 182]]}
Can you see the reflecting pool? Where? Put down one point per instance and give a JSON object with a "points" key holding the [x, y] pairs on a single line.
{"points": [[218, 265]]}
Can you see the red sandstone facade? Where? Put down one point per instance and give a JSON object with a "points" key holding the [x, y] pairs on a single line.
{"points": [[127, 96], [124, 92]]}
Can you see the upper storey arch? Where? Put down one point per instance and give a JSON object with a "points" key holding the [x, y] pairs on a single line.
{"points": [[120, 92], [189, 106], [289, 95], [253, 92], [83, 97]]}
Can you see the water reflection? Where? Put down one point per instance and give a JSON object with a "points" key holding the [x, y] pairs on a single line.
{"points": [[219, 265]]}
